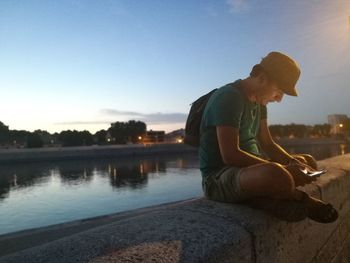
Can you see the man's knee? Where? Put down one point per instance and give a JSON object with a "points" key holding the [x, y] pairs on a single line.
{"points": [[278, 173], [270, 179]]}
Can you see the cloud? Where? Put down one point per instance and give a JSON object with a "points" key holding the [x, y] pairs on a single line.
{"points": [[238, 6], [150, 118], [120, 113], [82, 122]]}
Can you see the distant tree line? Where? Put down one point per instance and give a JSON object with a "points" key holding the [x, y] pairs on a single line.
{"points": [[123, 132], [300, 131], [131, 132], [117, 133]]}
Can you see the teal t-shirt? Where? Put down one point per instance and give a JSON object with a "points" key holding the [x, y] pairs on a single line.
{"points": [[228, 106]]}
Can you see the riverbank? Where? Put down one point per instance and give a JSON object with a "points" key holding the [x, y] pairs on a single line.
{"points": [[309, 141], [90, 152], [197, 230]]}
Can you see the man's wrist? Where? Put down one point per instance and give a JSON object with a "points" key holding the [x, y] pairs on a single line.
{"points": [[293, 161]]}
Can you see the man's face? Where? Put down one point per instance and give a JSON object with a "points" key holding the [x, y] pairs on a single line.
{"points": [[269, 92]]}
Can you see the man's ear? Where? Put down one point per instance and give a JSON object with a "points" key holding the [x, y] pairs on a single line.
{"points": [[262, 79]]}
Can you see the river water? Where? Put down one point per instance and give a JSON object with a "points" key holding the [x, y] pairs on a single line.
{"points": [[40, 194]]}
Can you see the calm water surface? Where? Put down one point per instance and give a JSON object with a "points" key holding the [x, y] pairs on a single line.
{"points": [[41, 194]]}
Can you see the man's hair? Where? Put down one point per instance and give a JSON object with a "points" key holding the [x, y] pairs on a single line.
{"points": [[257, 70]]}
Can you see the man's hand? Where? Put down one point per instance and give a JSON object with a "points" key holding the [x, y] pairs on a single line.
{"points": [[296, 170], [302, 163], [305, 159]]}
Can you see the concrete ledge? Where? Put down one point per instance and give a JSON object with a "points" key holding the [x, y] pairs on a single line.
{"points": [[200, 230]]}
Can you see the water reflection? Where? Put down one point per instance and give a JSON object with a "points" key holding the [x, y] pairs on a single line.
{"points": [[342, 149], [21, 176], [130, 173], [73, 175], [132, 176]]}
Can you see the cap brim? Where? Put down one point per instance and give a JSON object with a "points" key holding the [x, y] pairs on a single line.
{"points": [[291, 92]]}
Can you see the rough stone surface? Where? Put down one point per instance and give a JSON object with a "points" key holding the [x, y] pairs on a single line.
{"points": [[200, 230], [167, 251], [189, 236], [344, 253]]}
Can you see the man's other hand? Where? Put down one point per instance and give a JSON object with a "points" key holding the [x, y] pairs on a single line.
{"points": [[300, 178]]}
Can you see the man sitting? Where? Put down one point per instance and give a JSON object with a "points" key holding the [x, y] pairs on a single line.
{"points": [[239, 160]]}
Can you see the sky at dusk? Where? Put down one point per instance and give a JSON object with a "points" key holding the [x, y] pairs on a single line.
{"points": [[79, 64]]}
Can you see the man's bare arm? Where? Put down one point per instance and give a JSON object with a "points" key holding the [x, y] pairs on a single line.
{"points": [[274, 151], [228, 139]]}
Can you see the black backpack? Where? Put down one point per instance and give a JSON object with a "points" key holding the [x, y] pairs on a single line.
{"points": [[193, 122]]}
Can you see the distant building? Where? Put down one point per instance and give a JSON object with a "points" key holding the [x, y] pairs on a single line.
{"points": [[154, 137], [337, 122], [176, 136], [109, 137]]}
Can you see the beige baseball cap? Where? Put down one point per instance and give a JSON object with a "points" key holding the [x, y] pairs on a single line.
{"points": [[284, 70]]}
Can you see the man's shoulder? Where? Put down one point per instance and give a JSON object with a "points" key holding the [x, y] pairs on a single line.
{"points": [[230, 89], [226, 101]]}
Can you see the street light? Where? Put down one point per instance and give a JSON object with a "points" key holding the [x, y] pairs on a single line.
{"points": [[340, 128]]}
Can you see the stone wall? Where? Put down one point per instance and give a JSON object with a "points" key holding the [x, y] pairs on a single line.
{"points": [[199, 230]]}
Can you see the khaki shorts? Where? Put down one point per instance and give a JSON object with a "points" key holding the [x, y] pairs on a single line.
{"points": [[224, 186]]}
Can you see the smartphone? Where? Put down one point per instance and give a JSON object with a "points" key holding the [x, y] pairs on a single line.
{"points": [[314, 173]]}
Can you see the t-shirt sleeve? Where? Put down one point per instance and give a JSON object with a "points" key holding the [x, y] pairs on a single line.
{"points": [[225, 109], [263, 112]]}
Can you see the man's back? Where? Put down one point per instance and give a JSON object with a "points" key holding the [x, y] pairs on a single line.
{"points": [[228, 107]]}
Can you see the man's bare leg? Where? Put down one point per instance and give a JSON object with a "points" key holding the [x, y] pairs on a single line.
{"points": [[274, 181], [268, 180]]}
